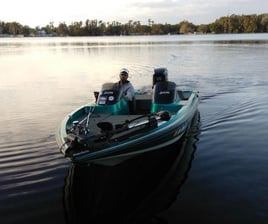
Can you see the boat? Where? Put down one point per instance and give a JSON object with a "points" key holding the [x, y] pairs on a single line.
{"points": [[156, 180], [112, 129]]}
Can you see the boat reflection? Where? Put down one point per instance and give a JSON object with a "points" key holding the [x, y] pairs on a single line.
{"points": [[134, 191]]}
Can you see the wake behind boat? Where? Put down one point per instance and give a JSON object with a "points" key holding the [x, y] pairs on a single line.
{"points": [[112, 128]]}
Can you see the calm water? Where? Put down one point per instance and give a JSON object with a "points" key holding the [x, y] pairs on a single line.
{"points": [[218, 174]]}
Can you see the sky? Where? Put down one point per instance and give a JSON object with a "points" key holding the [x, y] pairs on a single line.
{"points": [[42, 12]]}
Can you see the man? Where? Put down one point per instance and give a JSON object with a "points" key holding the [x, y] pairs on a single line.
{"points": [[125, 85], [127, 89]]}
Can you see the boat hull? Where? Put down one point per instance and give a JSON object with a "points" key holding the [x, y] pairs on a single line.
{"points": [[166, 133]]}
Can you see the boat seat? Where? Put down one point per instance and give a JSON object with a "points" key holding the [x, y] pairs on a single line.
{"points": [[143, 104]]}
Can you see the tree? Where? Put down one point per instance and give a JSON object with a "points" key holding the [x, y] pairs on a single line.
{"points": [[49, 28], [203, 29], [62, 29], [216, 27], [249, 23], [76, 29], [186, 27], [227, 24], [14, 28], [263, 23]]}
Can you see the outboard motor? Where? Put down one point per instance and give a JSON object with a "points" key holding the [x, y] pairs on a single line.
{"points": [[109, 94], [160, 75], [164, 92]]}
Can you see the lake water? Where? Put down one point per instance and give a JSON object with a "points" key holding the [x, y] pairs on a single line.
{"points": [[218, 174]]}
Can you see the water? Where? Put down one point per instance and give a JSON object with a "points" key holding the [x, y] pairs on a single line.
{"points": [[218, 174]]}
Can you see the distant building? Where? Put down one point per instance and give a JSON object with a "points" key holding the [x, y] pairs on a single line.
{"points": [[5, 35], [41, 33]]}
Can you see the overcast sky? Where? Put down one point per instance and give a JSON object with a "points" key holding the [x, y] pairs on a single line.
{"points": [[40, 13]]}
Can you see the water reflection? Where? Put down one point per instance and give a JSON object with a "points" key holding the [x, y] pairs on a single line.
{"points": [[134, 191]]}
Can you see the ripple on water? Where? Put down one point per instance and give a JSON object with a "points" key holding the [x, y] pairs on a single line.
{"points": [[29, 168]]}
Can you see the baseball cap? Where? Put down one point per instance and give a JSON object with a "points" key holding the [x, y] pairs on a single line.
{"points": [[124, 70]]}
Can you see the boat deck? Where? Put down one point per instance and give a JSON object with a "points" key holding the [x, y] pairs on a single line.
{"points": [[95, 118]]}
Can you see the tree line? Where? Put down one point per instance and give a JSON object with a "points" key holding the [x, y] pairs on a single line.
{"points": [[228, 24]]}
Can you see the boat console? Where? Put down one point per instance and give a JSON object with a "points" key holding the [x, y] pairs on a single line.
{"points": [[109, 94]]}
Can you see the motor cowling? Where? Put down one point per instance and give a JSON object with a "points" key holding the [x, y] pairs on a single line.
{"points": [[160, 75], [164, 92]]}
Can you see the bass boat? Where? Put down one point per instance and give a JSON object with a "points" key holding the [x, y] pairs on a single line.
{"points": [[114, 129]]}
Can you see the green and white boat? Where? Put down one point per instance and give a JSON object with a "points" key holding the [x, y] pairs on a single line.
{"points": [[111, 129]]}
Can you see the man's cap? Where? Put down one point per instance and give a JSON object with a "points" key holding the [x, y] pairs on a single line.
{"points": [[124, 70]]}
